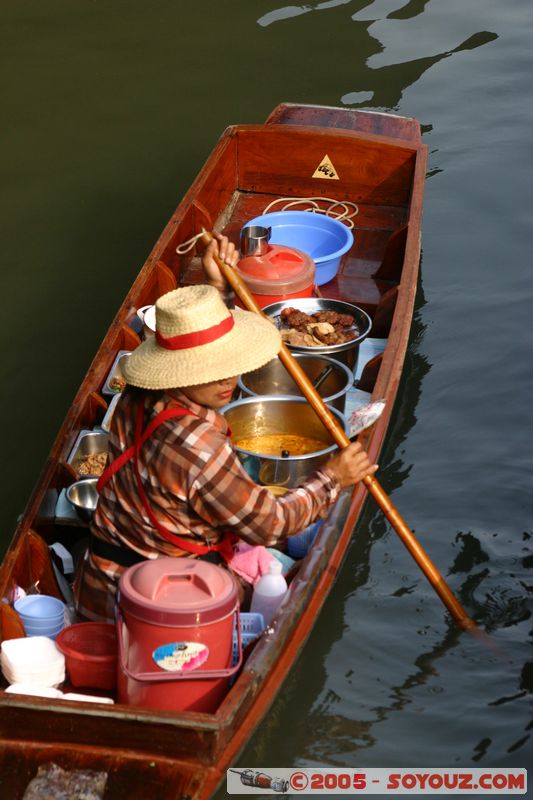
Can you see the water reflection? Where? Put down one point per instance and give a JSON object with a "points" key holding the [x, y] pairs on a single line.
{"points": [[389, 82], [287, 12], [409, 10], [380, 87], [470, 555]]}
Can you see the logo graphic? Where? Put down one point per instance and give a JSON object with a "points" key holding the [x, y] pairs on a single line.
{"points": [[261, 780], [326, 170], [180, 656], [339, 782]]}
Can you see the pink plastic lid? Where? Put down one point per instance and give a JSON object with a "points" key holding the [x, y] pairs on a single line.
{"points": [[281, 270], [177, 591]]}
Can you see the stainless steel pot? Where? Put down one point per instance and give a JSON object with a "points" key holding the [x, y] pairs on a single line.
{"points": [[273, 378], [274, 414], [347, 351]]}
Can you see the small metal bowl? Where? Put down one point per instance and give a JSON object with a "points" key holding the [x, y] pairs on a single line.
{"points": [[84, 496]]}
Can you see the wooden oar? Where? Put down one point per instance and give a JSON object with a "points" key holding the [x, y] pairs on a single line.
{"points": [[341, 439]]}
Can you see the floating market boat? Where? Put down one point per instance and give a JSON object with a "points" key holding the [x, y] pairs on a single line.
{"points": [[374, 160]]}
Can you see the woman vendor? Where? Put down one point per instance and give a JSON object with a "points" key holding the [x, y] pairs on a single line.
{"points": [[175, 485]]}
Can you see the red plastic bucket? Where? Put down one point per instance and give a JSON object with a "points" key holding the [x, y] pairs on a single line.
{"points": [[90, 650], [175, 623]]}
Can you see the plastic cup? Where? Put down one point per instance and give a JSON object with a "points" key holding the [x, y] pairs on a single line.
{"points": [[50, 632], [40, 607], [43, 624]]}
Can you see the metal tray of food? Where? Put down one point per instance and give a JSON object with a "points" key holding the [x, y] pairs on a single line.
{"points": [[89, 453], [115, 381]]}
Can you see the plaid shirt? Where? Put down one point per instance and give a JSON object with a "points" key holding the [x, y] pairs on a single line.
{"points": [[196, 487]]}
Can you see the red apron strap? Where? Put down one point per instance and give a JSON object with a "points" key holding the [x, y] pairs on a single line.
{"points": [[224, 547], [128, 454]]}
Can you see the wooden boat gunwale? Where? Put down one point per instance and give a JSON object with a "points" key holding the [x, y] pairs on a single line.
{"points": [[272, 658]]}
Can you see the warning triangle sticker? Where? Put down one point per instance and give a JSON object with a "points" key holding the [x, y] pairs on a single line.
{"points": [[326, 170]]}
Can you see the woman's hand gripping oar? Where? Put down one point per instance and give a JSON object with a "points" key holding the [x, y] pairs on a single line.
{"points": [[393, 515]]}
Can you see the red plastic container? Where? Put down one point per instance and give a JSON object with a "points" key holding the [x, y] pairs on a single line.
{"points": [[175, 630], [280, 274], [90, 650]]}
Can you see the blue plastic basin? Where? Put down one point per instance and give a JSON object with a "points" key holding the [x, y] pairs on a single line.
{"points": [[324, 238]]}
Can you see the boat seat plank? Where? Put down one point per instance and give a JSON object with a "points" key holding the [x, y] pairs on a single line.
{"points": [[11, 626], [159, 280], [33, 568], [382, 321], [67, 472], [165, 278], [369, 376], [393, 257], [272, 159], [347, 119], [128, 339], [250, 205], [126, 776], [95, 408]]}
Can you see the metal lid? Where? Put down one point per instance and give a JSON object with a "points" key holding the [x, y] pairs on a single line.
{"points": [[177, 591]]}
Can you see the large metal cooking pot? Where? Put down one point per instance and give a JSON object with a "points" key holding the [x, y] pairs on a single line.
{"points": [[335, 379], [347, 351], [274, 414]]}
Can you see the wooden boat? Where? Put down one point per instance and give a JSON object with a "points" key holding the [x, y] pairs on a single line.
{"points": [[380, 164]]}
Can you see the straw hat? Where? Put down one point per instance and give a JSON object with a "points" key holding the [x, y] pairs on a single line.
{"points": [[199, 340]]}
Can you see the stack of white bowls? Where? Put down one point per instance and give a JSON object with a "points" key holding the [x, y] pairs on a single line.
{"points": [[41, 614], [33, 661]]}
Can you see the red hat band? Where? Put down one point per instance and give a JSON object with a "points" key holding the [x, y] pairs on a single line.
{"points": [[183, 341]]}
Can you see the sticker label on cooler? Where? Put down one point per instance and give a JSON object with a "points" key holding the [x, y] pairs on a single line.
{"points": [[180, 656]]}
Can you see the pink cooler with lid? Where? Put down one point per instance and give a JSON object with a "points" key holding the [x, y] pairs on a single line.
{"points": [[175, 622], [280, 273]]}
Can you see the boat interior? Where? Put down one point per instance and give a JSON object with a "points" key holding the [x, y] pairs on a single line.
{"points": [[245, 174], [251, 166]]}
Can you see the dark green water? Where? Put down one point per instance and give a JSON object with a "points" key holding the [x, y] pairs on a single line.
{"points": [[109, 110]]}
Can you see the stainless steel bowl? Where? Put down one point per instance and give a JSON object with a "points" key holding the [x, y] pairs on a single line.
{"points": [[345, 352], [273, 378], [84, 497], [275, 414]]}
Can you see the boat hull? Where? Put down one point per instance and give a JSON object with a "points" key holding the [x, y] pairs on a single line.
{"points": [[380, 163]]}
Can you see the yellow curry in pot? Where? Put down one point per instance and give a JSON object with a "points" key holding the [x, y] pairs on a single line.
{"points": [[274, 444]]}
